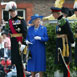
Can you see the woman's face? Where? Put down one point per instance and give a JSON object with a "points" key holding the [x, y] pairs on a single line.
{"points": [[4, 36], [2, 21], [36, 21]]}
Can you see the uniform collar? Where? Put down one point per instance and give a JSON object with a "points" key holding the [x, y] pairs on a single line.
{"points": [[15, 17], [60, 17]]}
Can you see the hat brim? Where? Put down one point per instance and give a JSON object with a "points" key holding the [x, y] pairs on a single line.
{"points": [[30, 22], [12, 10], [55, 9]]}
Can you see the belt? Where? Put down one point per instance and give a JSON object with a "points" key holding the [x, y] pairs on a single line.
{"points": [[16, 35], [75, 35], [61, 36]]}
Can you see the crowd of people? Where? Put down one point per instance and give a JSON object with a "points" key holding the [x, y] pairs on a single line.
{"points": [[5, 43], [5, 48]]}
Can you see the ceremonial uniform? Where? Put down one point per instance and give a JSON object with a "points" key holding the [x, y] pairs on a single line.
{"points": [[64, 31], [70, 13], [63, 41], [18, 31], [20, 27], [64, 38]]}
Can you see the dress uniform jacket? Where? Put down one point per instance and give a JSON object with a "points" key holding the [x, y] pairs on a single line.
{"points": [[63, 28], [19, 25]]}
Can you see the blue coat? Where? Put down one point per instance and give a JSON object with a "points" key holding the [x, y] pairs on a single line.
{"points": [[38, 61]]}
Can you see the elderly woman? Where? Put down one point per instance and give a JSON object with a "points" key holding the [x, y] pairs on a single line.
{"points": [[36, 38]]}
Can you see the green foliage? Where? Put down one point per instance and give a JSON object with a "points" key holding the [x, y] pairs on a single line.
{"points": [[50, 51], [7, 26], [74, 68], [62, 21], [51, 44]]}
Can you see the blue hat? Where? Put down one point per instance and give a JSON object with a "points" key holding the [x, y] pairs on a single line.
{"points": [[35, 16], [55, 9]]}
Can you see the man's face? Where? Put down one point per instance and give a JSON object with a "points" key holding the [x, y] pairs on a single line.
{"points": [[55, 15], [12, 13], [65, 15], [76, 12]]}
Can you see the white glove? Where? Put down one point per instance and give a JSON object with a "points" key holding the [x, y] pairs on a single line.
{"points": [[22, 47], [73, 45], [37, 38], [27, 42]]}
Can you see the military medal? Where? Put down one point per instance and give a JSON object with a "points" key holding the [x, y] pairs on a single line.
{"points": [[59, 29], [18, 29]]}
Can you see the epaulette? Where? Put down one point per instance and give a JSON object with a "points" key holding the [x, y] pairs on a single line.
{"points": [[20, 17]]}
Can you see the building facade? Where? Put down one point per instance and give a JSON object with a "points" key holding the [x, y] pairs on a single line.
{"points": [[27, 8]]}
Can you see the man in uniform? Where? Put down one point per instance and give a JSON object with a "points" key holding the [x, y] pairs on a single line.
{"points": [[18, 31], [64, 37]]}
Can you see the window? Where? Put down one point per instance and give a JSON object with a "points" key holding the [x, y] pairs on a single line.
{"points": [[6, 15], [21, 12]]}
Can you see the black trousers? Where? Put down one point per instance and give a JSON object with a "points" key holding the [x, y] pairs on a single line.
{"points": [[19, 68], [2, 52], [65, 72], [16, 57]]}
